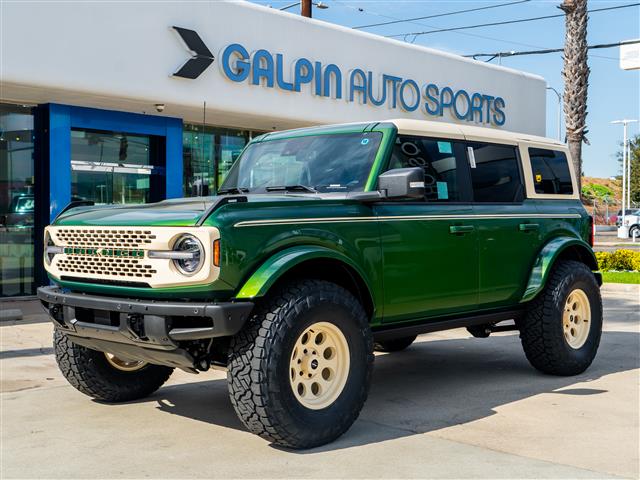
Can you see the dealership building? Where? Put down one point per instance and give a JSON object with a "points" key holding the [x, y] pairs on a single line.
{"points": [[128, 102]]}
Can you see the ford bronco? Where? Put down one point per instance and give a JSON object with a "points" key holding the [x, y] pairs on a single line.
{"points": [[322, 245]]}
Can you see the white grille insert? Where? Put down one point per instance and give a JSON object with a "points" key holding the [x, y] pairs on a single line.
{"points": [[102, 237], [124, 268]]}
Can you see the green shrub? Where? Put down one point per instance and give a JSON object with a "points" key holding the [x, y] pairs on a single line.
{"points": [[619, 260], [603, 260]]}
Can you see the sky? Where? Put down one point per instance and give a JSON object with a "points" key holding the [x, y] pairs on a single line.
{"points": [[613, 93]]}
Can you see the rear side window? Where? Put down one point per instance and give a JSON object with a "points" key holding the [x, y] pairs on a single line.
{"points": [[495, 173], [550, 170], [437, 157]]}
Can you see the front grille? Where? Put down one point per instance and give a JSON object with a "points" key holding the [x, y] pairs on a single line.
{"points": [[119, 255], [125, 268], [103, 237]]}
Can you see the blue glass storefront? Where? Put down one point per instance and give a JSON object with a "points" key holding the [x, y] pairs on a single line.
{"points": [[53, 154]]}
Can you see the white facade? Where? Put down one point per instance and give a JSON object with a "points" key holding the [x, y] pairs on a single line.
{"points": [[122, 56]]}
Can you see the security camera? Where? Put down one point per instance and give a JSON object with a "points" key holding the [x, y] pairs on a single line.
{"points": [[160, 107]]}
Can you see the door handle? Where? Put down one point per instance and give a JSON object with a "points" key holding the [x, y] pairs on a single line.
{"points": [[528, 227], [461, 229]]}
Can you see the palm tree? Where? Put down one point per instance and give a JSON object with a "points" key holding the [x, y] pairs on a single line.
{"points": [[576, 79]]}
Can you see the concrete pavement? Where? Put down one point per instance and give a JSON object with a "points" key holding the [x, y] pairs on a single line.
{"points": [[451, 406]]}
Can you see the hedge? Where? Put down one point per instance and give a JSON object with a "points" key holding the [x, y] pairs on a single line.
{"points": [[619, 260]]}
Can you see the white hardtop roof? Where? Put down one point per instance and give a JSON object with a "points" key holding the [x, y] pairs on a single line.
{"points": [[453, 130]]}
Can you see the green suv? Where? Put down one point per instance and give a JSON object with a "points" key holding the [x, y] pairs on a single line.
{"points": [[323, 245]]}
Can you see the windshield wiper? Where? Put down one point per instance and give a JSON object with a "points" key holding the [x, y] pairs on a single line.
{"points": [[233, 190], [291, 188]]}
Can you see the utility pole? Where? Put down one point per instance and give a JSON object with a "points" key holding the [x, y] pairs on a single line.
{"points": [[305, 8], [559, 111], [623, 231]]}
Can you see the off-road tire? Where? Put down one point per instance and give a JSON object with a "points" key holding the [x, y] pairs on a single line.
{"points": [[541, 331], [259, 364], [89, 372], [394, 345]]}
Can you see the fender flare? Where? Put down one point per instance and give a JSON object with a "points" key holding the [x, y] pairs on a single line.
{"points": [[278, 264], [548, 256]]}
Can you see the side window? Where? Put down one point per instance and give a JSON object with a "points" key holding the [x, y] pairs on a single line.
{"points": [[550, 170], [437, 158], [496, 174]]}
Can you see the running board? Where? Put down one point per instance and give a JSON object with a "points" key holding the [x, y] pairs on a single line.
{"points": [[391, 331]]}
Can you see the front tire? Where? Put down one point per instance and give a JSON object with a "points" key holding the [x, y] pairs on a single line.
{"points": [[103, 376], [561, 332], [300, 369]]}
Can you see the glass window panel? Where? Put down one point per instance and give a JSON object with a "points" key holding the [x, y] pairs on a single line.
{"points": [[207, 150], [496, 177], [16, 201], [112, 167], [550, 171], [437, 158]]}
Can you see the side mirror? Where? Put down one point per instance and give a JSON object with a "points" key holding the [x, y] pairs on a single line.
{"points": [[402, 183]]}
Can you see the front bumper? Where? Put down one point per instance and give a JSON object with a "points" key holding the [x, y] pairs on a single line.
{"points": [[148, 330]]}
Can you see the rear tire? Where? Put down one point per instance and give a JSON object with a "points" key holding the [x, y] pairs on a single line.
{"points": [[394, 345], [299, 370], [561, 332], [93, 374]]}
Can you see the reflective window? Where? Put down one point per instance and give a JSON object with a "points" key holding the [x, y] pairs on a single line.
{"points": [[550, 170], [437, 158], [208, 154], [16, 201], [327, 163], [120, 168], [496, 174]]}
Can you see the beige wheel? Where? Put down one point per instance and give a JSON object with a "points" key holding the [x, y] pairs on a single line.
{"points": [[124, 365], [319, 365], [576, 318]]}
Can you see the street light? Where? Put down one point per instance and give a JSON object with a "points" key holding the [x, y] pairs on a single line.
{"points": [[305, 9], [559, 110], [626, 177]]}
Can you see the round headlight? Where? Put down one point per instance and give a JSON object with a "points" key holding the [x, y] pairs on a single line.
{"points": [[192, 263]]}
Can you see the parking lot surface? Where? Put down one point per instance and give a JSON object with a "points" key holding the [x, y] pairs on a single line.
{"points": [[451, 406]]}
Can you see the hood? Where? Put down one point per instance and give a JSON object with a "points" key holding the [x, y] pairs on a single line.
{"points": [[182, 212], [168, 213]]}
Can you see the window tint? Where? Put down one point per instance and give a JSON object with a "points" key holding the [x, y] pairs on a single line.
{"points": [[496, 176], [550, 171], [437, 158]]}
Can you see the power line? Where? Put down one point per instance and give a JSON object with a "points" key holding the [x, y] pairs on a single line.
{"points": [[506, 22], [547, 50], [440, 15]]}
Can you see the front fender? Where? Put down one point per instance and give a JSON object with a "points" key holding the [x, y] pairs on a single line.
{"points": [[547, 257], [272, 269]]}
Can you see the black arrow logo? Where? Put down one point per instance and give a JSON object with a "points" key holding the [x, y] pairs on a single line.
{"points": [[201, 55]]}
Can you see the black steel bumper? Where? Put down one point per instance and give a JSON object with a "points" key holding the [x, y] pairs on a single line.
{"points": [[118, 324]]}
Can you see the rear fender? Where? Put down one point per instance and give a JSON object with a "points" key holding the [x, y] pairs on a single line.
{"points": [[554, 249]]}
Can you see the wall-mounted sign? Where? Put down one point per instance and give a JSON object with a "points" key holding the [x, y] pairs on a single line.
{"points": [[272, 70]]}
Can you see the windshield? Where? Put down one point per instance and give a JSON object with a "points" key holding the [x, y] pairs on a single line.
{"points": [[323, 163]]}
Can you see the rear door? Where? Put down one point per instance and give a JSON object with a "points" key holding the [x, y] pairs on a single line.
{"points": [[508, 228], [429, 246]]}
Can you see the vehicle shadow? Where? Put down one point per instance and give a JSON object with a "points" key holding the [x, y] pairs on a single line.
{"points": [[430, 386]]}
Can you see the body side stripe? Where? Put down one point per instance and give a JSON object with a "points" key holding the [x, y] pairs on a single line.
{"points": [[296, 221]]}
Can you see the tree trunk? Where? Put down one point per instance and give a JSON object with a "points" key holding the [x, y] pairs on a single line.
{"points": [[576, 79]]}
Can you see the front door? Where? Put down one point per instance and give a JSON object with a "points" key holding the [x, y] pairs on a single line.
{"points": [[429, 247]]}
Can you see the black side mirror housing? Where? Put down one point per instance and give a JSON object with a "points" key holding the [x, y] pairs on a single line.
{"points": [[402, 183]]}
